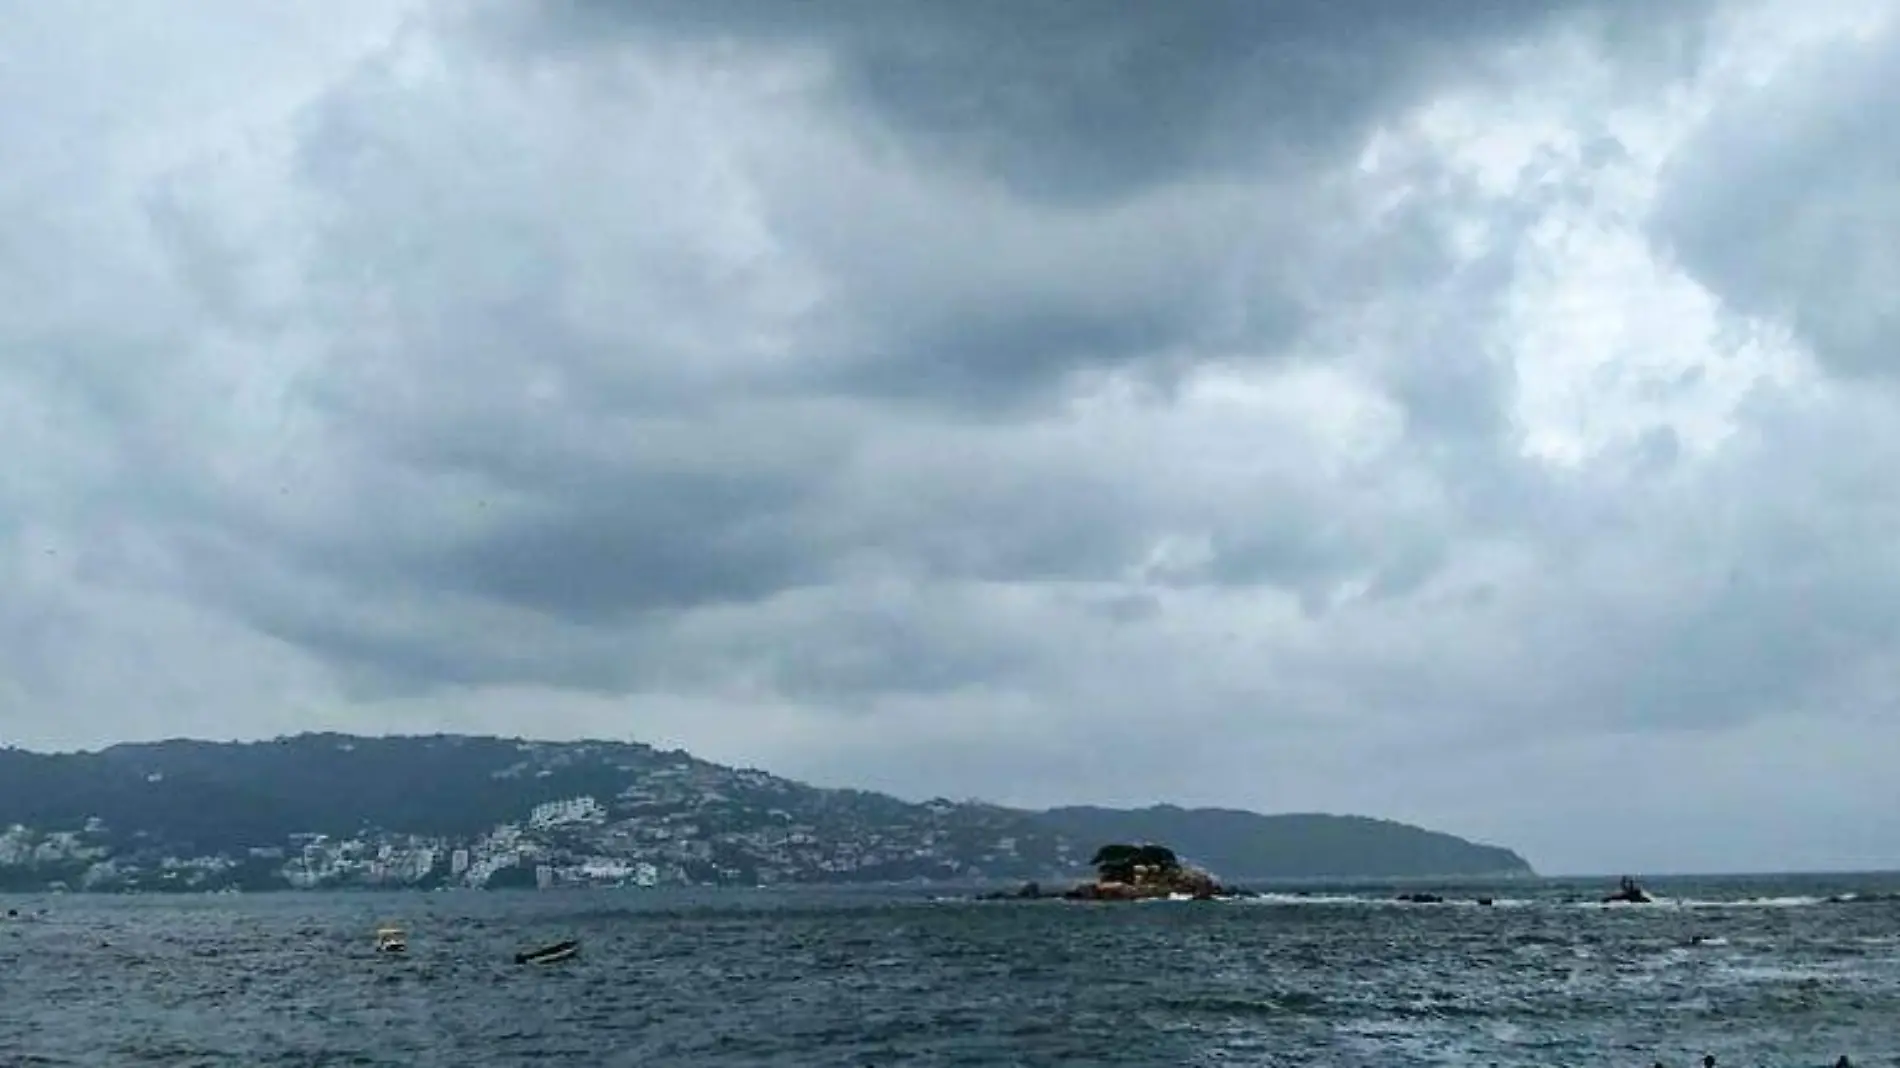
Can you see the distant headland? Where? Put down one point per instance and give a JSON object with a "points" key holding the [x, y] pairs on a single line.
{"points": [[323, 811]]}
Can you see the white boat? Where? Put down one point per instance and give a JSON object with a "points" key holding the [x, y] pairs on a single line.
{"points": [[391, 940]]}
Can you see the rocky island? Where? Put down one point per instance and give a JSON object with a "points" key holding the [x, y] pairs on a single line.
{"points": [[1134, 873], [1138, 872]]}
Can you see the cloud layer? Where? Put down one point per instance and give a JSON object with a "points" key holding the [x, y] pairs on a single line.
{"points": [[1466, 413]]}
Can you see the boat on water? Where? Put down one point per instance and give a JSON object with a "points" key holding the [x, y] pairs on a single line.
{"points": [[553, 954], [391, 940]]}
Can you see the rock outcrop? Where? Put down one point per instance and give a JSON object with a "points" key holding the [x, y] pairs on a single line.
{"points": [[1628, 893], [1148, 883], [1132, 873]]}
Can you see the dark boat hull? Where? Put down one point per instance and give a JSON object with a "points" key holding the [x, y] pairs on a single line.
{"points": [[553, 954]]}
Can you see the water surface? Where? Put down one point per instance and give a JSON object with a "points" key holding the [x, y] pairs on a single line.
{"points": [[1756, 971]]}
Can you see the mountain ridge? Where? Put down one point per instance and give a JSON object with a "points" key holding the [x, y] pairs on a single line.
{"points": [[328, 809], [1242, 844]]}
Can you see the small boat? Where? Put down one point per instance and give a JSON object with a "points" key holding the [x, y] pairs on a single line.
{"points": [[391, 940], [553, 954]]}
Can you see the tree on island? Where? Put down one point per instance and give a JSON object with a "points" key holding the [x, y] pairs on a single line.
{"points": [[1122, 863]]}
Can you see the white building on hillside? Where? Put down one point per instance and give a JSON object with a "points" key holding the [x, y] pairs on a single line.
{"points": [[572, 810]]}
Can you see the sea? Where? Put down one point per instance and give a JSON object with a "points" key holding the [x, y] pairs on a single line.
{"points": [[1767, 970]]}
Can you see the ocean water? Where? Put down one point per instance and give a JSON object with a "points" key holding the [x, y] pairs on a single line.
{"points": [[1330, 976]]}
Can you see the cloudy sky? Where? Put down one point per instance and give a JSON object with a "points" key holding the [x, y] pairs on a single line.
{"points": [[1477, 414]]}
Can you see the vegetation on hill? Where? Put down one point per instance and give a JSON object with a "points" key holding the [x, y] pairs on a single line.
{"points": [[382, 804], [1119, 863]]}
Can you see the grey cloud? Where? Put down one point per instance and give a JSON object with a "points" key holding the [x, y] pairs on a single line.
{"points": [[1077, 99], [1700, 604], [381, 633], [668, 542], [944, 293], [991, 355], [1786, 204], [489, 441], [920, 284], [832, 389], [1146, 154], [851, 649]]}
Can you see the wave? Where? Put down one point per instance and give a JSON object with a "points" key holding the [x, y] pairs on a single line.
{"points": [[1658, 902], [1471, 900], [1370, 901], [1853, 898], [1308, 899]]}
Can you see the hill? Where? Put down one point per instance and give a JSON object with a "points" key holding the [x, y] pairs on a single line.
{"points": [[325, 810], [1247, 845]]}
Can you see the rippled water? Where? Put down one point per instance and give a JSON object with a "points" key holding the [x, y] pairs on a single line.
{"points": [[1344, 977]]}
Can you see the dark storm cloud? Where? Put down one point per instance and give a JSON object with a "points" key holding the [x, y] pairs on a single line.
{"points": [[1085, 99], [1077, 109]]}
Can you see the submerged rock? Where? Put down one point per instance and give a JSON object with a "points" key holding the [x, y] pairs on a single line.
{"points": [[1030, 891], [1628, 893]]}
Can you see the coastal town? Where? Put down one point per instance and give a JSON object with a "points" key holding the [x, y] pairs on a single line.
{"points": [[671, 822], [449, 812]]}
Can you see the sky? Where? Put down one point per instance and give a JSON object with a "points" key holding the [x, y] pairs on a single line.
{"points": [[1480, 415]]}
